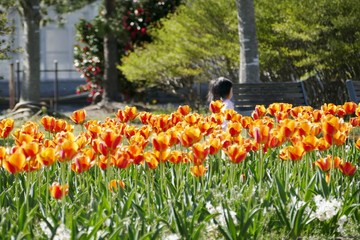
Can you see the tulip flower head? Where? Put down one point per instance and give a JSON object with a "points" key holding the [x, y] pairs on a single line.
{"points": [[58, 191], [78, 116]]}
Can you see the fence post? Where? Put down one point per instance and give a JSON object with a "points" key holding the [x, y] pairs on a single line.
{"points": [[18, 80], [11, 87], [56, 86]]}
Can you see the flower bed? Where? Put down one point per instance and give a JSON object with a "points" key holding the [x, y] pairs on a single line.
{"points": [[284, 172]]}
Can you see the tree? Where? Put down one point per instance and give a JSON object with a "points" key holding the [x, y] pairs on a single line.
{"points": [[110, 55], [249, 58], [196, 43], [32, 12], [125, 26], [5, 30]]}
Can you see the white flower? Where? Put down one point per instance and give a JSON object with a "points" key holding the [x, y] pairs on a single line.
{"points": [[62, 233], [45, 228], [326, 209], [172, 236]]}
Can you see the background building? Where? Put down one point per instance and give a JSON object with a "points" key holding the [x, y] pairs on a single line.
{"points": [[56, 44]]}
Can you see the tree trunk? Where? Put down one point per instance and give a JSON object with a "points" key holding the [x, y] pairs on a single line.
{"points": [[110, 56], [249, 58], [30, 86]]}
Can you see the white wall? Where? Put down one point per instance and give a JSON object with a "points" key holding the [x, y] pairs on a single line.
{"points": [[56, 42]]}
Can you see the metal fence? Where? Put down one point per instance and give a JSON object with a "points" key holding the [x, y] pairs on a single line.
{"points": [[50, 90]]}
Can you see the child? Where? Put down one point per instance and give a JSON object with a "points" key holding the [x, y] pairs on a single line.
{"points": [[221, 89]]}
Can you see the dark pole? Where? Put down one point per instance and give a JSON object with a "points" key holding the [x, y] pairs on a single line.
{"points": [[56, 86], [18, 80]]}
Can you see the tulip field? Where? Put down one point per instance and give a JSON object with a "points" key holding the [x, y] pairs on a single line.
{"points": [[284, 173]]}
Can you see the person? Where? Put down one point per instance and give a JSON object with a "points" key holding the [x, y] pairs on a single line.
{"points": [[221, 89]]}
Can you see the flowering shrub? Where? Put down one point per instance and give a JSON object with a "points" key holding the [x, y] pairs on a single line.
{"points": [[130, 26], [290, 171]]}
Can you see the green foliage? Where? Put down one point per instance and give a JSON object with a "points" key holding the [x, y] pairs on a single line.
{"points": [[312, 38], [5, 30], [194, 41], [133, 18]]}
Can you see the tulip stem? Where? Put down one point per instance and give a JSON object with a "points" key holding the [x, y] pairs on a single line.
{"points": [[63, 177], [47, 190]]}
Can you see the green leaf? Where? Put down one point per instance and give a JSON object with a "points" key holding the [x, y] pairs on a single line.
{"points": [[281, 190]]}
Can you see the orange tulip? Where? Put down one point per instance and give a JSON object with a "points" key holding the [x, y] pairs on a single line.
{"points": [[198, 171], [151, 160], [309, 143], [216, 106], [357, 144], [122, 159], [317, 115], [30, 149], [234, 128], [349, 107], [206, 127], [303, 127], [130, 131], [135, 154], [47, 156], [260, 133], [175, 157], [330, 124], [192, 119], [114, 184], [106, 161], [339, 138], [138, 140], [259, 112], [110, 138], [214, 145], [288, 127], [329, 108], [3, 154], [15, 162], [347, 168], [48, 123], [329, 162], [67, 150], [161, 142], [81, 163], [145, 117], [6, 125], [296, 152], [324, 164], [175, 118], [357, 111], [189, 136], [246, 121], [200, 151], [128, 114], [78, 116], [355, 121], [276, 139], [58, 191], [340, 111], [145, 131], [32, 165], [184, 110], [236, 153], [323, 144], [231, 115]]}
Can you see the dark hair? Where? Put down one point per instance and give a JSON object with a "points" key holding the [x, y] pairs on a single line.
{"points": [[219, 88]]}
